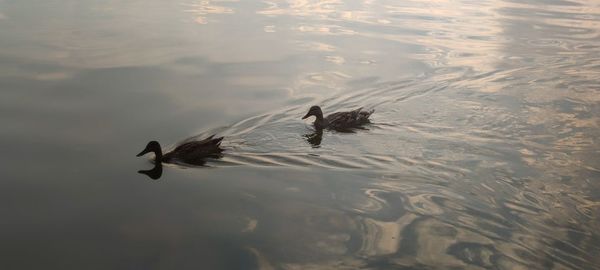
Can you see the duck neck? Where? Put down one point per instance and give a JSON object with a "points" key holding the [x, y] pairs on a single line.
{"points": [[320, 121], [158, 156], [319, 116]]}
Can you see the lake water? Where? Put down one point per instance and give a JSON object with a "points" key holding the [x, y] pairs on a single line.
{"points": [[483, 153]]}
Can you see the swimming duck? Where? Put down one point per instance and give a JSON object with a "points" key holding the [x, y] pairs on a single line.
{"points": [[193, 152], [339, 120]]}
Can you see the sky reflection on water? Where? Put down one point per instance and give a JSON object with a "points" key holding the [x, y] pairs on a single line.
{"points": [[482, 153]]}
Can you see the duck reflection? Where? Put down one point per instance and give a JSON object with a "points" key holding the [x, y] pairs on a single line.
{"points": [[314, 139], [154, 173], [188, 153]]}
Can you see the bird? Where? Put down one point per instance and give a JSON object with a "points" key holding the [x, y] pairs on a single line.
{"points": [[339, 120], [193, 152]]}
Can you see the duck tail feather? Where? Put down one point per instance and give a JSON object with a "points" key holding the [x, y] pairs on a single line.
{"points": [[217, 141]]}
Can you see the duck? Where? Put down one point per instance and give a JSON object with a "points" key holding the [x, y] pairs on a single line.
{"points": [[339, 120], [193, 152]]}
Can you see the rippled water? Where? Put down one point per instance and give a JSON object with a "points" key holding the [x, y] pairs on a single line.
{"points": [[482, 153]]}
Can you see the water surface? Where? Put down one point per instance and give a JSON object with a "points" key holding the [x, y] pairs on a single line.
{"points": [[483, 152]]}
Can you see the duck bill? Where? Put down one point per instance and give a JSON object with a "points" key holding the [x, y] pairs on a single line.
{"points": [[143, 153], [306, 116]]}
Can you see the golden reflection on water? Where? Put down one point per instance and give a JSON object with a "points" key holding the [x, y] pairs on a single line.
{"points": [[202, 8], [455, 31]]}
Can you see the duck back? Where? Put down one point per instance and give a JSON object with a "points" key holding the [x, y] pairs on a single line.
{"points": [[345, 120], [195, 152]]}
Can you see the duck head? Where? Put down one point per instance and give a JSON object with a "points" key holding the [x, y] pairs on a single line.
{"points": [[314, 111], [152, 146]]}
